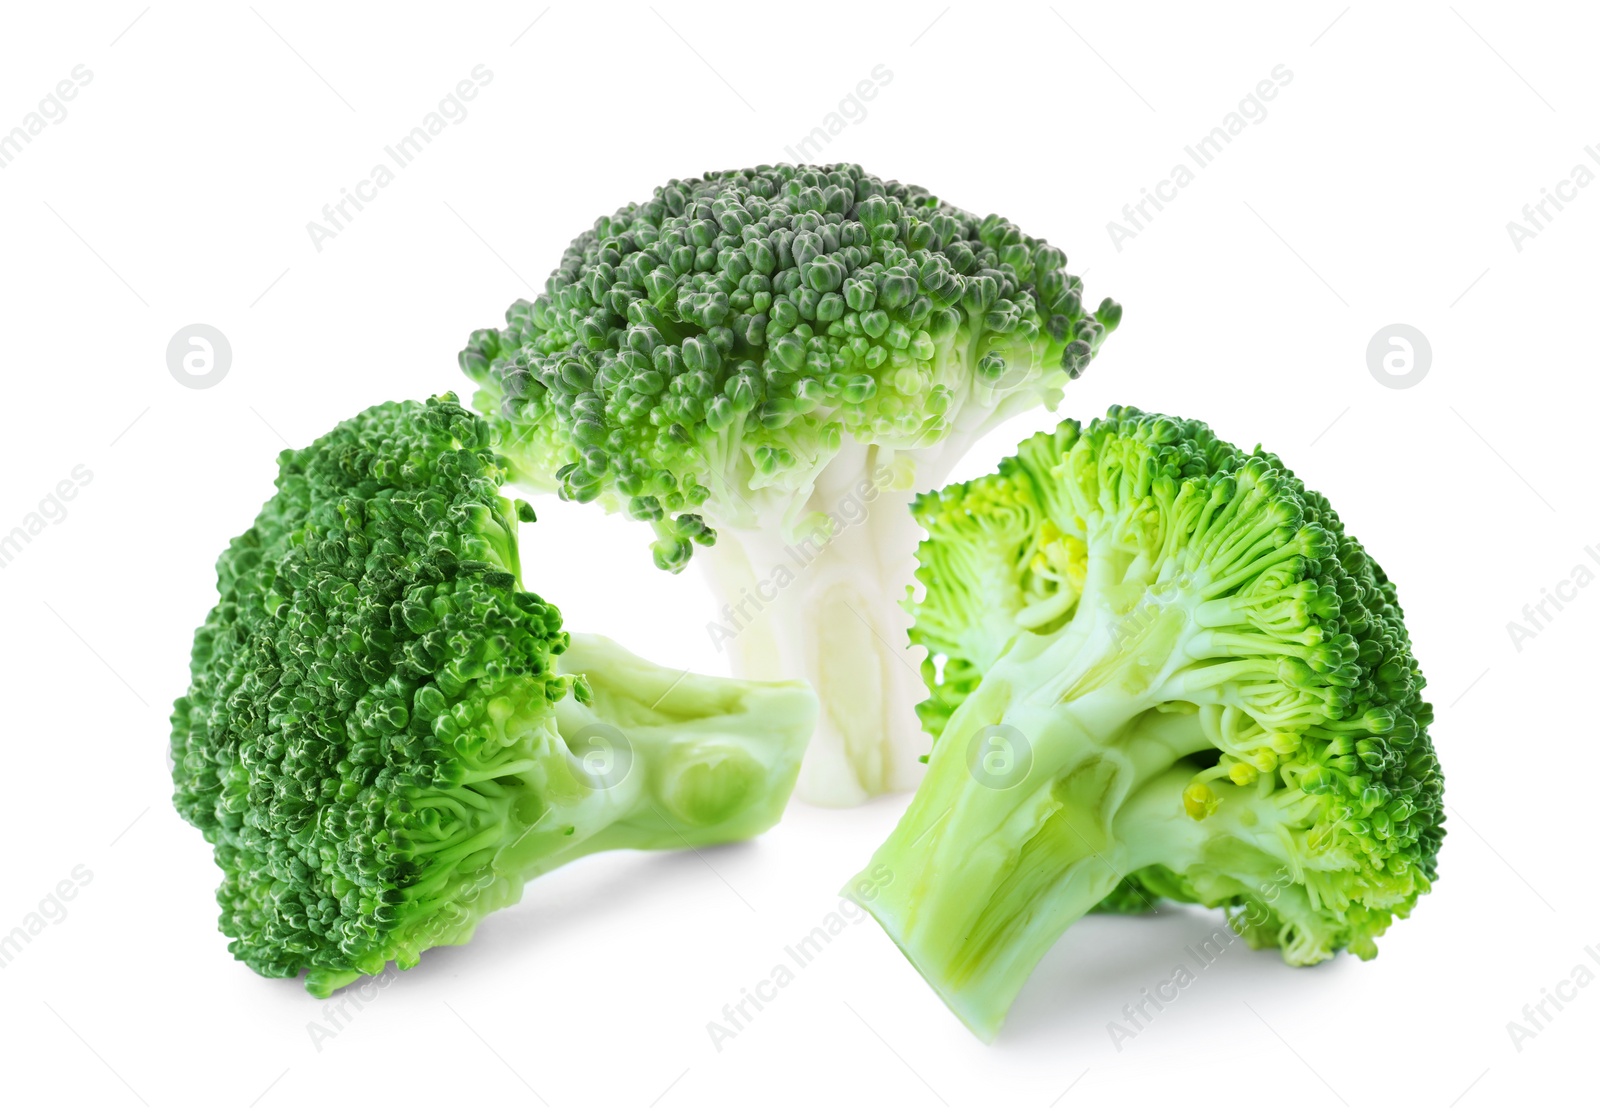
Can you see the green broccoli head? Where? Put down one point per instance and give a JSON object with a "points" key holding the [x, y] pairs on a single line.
{"points": [[699, 358], [385, 735], [1159, 667]]}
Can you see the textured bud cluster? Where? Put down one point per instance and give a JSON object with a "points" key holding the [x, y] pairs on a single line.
{"points": [[365, 694], [727, 335]]}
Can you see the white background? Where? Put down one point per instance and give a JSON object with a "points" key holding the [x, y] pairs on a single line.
{"points": [[1376, 190]]}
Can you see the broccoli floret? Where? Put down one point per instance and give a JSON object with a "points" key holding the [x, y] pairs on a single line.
{"points": [[386, 736], [774, 360], [1160, 668]]}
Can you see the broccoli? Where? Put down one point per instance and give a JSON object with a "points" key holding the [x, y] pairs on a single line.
{"points": [[385, 736], [1159, 667], [774, 360]]}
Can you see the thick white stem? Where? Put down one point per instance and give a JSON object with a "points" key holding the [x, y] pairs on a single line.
{"points": [[826, 608], [799, 603]]}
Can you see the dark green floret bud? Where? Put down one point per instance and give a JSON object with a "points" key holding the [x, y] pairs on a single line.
{"points": [[780, 276]]}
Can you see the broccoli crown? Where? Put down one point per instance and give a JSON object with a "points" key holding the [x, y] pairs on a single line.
{"points": [[724, 337], [1295, 654], [365, 696], [1159, 667]]}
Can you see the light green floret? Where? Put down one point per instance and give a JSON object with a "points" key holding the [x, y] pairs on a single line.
{"points": [[1159, 668], [386, 736], [739, 358]]}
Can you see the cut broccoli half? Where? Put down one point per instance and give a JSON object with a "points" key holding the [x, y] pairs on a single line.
{"points": [[775, 360], [1159, 668], [386, 736]]}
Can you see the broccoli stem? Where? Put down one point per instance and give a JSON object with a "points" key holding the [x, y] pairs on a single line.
{"points": [[662, 759], [994, 861], [819, 598], [1102, 771], [816, 591], [975, 909], [1018, 830]]}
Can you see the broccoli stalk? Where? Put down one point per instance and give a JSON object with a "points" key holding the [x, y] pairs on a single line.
{"points": [[754, 360], [385, 736], [715, 759], [1165, 669], [821, 607]]}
